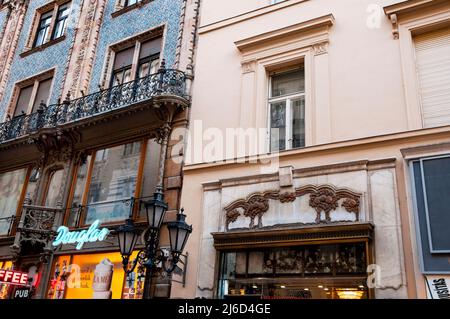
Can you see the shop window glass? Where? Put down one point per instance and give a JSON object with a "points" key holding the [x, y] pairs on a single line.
{"points": [[11, 185], [113, 182], [5, 265], [94, 276], [307, 272]]}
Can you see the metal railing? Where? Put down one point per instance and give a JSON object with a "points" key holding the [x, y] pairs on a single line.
{"points": [[164, 82]]}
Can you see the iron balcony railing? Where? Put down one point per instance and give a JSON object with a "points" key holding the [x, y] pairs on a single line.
{"points": [[164, 82]]}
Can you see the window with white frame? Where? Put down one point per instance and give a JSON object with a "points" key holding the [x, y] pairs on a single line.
{"points": [[432, 51], [287, 109]]}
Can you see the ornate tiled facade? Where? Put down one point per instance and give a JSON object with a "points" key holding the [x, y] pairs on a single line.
{"points": [[54, 56], [138, 20]]}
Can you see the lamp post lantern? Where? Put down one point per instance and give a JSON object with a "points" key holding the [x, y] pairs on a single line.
{"points": [[151, 254]]}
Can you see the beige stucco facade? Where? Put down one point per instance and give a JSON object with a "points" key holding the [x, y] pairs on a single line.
{"points": [[363, 125]]}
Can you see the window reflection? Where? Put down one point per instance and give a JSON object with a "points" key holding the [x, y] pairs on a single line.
{"points": [[11, 185], [113, 182]]}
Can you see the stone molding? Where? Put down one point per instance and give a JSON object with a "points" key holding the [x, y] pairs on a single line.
{"points": [[324, 198]]}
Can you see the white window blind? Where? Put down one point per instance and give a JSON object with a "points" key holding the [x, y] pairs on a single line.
{"points": [[433, 69]]}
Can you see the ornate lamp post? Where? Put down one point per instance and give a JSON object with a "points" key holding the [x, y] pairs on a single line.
{"points": [[151, 255]]}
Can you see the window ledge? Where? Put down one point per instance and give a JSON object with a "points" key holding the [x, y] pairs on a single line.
{"points": [[42, 47], [121, 10]]}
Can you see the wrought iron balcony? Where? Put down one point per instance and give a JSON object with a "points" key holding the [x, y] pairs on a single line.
{"points": [[166, 82]]}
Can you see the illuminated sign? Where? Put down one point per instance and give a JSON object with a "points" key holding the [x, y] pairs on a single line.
{"points": [[13, 277], [90, 235]]}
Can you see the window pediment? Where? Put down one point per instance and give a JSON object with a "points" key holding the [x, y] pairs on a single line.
{"points": [[284, 34]]}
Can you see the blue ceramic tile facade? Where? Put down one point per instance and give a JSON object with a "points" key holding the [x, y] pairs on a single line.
{"points": [[136, 21], [55, 56], [3, 14]]}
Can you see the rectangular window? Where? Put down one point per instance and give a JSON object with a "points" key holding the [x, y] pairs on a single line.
{"points": [[145, 62], [42, 94], [131, 2], [23, 102], [109, 179], [47, 29], [431, 189], [31, 96], [149, 58], [287, 110], [11, 186], [61, 20], [122, 66], [433, 68]]}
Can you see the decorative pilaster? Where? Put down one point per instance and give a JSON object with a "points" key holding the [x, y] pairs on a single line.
{"points": [[10, 39]]}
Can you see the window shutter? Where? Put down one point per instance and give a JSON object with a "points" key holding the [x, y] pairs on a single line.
{"points": [[23, 100], [42, 93], [433, 68], [150, 48], [124, 58]]}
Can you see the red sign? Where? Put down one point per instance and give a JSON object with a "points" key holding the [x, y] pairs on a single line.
{"points": [[13, 277]]}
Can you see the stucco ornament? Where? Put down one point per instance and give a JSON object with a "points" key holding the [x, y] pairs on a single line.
{"points": [[324, 198]]}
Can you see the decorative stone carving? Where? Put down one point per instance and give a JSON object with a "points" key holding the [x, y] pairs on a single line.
{"points": [[232, 216], [248, 67], [325, 198]]}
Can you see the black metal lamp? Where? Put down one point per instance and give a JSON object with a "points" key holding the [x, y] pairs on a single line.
{"points": [[155, 210], [127, 235], [179, 232]]}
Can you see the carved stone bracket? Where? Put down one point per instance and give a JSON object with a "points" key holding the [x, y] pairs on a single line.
{"points": [[57, 147], [394, 21], [325, 198]]}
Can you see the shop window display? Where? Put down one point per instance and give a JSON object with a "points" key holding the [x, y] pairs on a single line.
{"points": [[316, 271], [94, 276]]}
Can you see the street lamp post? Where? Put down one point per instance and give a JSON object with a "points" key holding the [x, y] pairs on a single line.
{"points": [[151, 254]]}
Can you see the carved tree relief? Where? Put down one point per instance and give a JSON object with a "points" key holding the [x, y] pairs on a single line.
{"points": [[325, 198]]}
